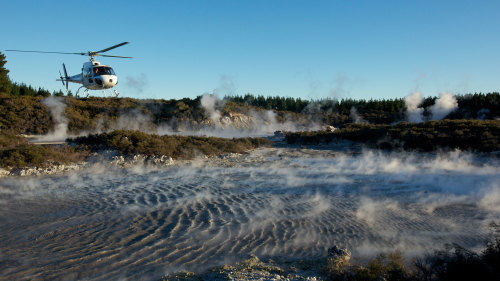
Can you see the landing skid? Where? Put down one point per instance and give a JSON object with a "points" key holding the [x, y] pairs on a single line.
{"points": [[87, 92], [114, 91]]}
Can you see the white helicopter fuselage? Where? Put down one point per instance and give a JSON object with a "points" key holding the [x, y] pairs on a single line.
{"points": [[95, 76]]}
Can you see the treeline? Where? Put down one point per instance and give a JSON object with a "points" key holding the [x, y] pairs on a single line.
{"points": [[477, 106], [299, 105], [10, 89], [473, 135], [383, 111], [296, 105], [468, 102], [22, 89]]}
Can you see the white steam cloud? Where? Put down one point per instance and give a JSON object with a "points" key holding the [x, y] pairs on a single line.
{"points": [[234, 124], [133, 120], [56, 107], [490, 200], [413, 111], [226, 87], [445, 104], [209, 102]]}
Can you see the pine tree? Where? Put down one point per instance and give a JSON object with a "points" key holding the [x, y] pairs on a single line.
{"points": [[5, 84]]}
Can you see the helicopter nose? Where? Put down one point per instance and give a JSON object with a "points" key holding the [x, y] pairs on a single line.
{"points": [[106, 81], [112, 80]]}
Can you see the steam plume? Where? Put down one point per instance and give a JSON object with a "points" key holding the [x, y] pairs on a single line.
{"points": [[138, 84], [413, 111], [356, 117], [339, 86], [444, 105], [56, 108], [208, 102], [226, 87]]}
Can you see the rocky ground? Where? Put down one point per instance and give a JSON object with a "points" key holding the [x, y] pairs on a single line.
{"points": [[337, 260], [116, 161], [255, 269], [112, 159]]}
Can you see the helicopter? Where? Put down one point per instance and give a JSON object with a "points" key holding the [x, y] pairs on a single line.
{"points": [[94, 76]]}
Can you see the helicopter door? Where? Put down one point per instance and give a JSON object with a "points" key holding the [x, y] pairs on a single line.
{"points": [[87, 76]]}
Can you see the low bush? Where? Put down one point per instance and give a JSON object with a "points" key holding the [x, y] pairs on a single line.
{"points": [[29, 155], [455, 263], [177, 147], [474, 135]]}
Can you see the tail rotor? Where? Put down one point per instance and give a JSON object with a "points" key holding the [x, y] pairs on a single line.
{"points": [[64, 79], [61, 78]]}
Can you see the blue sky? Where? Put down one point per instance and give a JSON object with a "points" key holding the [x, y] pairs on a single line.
{"points": [[307, 49]]}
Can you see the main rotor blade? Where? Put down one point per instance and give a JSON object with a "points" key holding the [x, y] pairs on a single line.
{"points": [[83, 54], [112, 47], [115, 56]]}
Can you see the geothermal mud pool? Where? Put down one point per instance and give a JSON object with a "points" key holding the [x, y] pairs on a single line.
{"points": [[137, 224]]}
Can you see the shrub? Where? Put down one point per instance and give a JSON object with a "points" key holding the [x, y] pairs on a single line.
{"points": [[177, 147], [476, 135]]}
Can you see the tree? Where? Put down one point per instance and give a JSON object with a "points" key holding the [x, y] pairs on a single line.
{"points": [[5, 84]]}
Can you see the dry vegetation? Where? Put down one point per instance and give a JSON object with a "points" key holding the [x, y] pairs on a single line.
{"points": [[177, 147], [17, 152], [473, 135], [27, 114], [452, 264]]}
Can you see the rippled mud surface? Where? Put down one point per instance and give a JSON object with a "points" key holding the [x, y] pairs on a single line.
{"points": [[137, 224]]}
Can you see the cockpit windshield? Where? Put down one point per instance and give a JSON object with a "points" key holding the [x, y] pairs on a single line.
{"points": [[103, 70]]}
